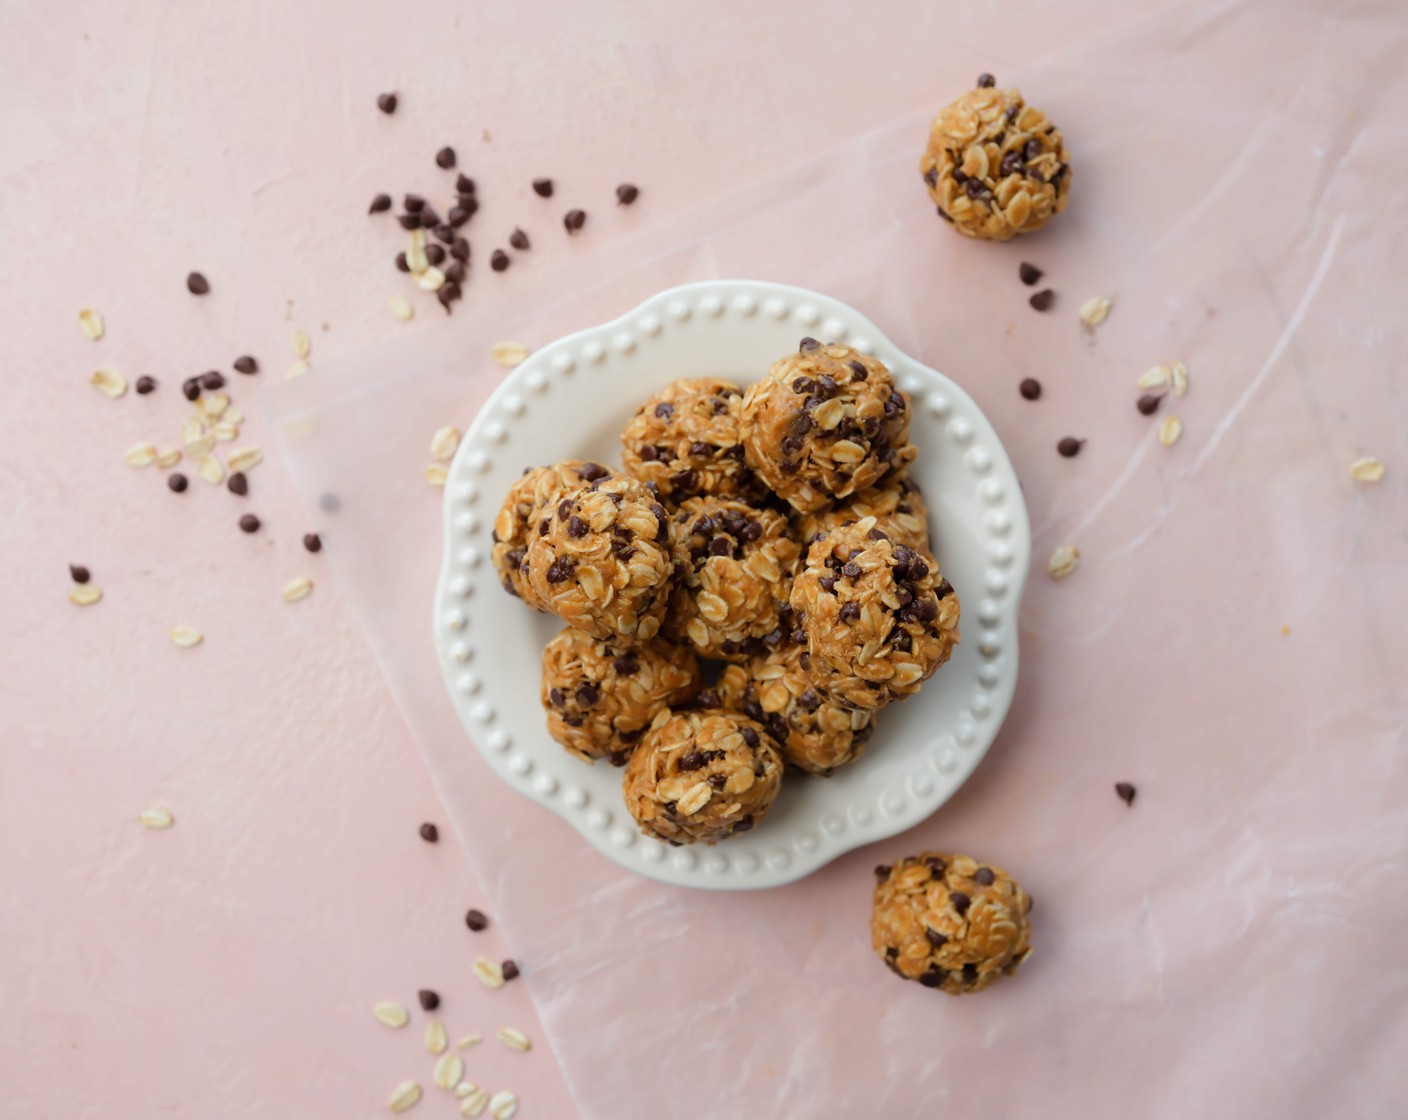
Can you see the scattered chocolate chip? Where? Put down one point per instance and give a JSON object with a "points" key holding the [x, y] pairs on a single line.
{"points": [[446, 232], [409, 221], [518, 239], [542, 188], [498, 260], [146, 385], [330, 503], [1043, 299], [245, 364], [435, 254], [455, 273], [177, 481], [429, 1000], [960, 901], [1069, 447], [984, 876], [476, 920], [212, 381], [197, 284], [312, 542], [190, 388], [430, 834], [429, 218], [510, 970], [807, 345], [627, 194], [249, 523], [413, 204], [1030, 388], [460, 249], [460, 214], [574, 220], [1029, 273], [1147, 405], [79, 573], [238, 484], [986, 81], [445, 158], [380, 204], [1126, 792], [464, 184], [386, 102]]}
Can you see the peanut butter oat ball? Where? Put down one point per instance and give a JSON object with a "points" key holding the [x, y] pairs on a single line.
{"points": [[879, 617], [735, 566], [601, 696], [825, 422], [701, 776], [995, 166], [686, 440], [599, 559], [950, 922], [538, 487], [895, 503], [814, 732]]}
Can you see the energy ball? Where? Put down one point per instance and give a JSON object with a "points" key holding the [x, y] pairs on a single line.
{"points": [[995, 166], [599, 559], [601, 696], [735, 566], [538, 487], [699, 777], [950, 922], [879, 617], [686, 440], [895, 503], [814, 732], [825, 422]]}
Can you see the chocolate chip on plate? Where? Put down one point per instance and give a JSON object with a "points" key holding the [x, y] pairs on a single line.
{"points": [[1126, 791], [197, 284], [1069, 447], [476, 920], [1029, 273], [518, 239], [445, 158], [386, 102], [574, 220], [1030, 388], [1043, 299], [429, 833], [542, 188], [627, 193]]}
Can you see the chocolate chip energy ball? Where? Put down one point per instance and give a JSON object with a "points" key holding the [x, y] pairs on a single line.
{"points": [[895, 503], [950, 922], [816, 733], [539, 487], [879, 617], [825, 422], [701, 776], [601, 696], [995, 166], [600, 560], [735, 567], [686, 440]]}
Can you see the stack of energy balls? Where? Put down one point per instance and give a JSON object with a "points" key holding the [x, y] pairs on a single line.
{"points": [[743, 596]]}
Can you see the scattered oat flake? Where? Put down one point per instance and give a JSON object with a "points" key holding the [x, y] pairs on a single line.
{"points": [[1155, 378], [1094, 311], [297, 589], [401, 307], [84, 594], [469, 1040], [1170, 430], [1063, 561], [503, 1105], [436, 474], [233, 415], [245, 458], [90, 322], [298, 369], [209, 468], [509, 353], [168, 458], [405, 1096], [475, 1102], [226, 431], [490, 974], [1367, 469], [211, 405], [302, 344], [416, 259], [444, 444], [156, 818], [432, 279], [187, 636], [464, 1088], [515, 1039], [1285, 631], [108, 383], [435, 1040], [1178, 372], [141, 455], [448, 1071], [391, 1014]]}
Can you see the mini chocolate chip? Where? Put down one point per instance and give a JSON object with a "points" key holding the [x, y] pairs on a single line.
{"points": [[1126, 792], [803, 385], [590, 472], [197, 284], [558, 697], [700, 449], [1029, 273], [412, 204], [386, 102], [618, 758], [461, 213], [692, 761], [1012, 113], [435, 254], [664, 410], [576, 527], [849, 612], [1043, 299], [177, 482], [212, 381], [146, 385], [960, 901], [402, 265], [626, 666], [542, 188], [970, 972], [476, 920], [807, 345], [587, 695], [986, 81], [944, 215], [932, 176], [429, 218], [858, 371], [380, 204], [574, 220], [79, 574], [408, 221], [984, 876], [429, 1001], [312, 542], [878, 535], [1149, 403], [464, 184], [1032, 150], [445, 233], [1030, 388], [944, 590], [249, 523], [560, 569], [238, 484], [936, 939], [934, 978], [510, 970], [1069, 447], [518, 239], [744, 825], [749, 736], [721, 546], [445, 158], [717, 781], [975, 188], [564, 508], [498, 260], [850, 570], [828, 584], [460, 249], [1011, 164], [245, 364], [430, 834], [708, 698], [627, 193]]}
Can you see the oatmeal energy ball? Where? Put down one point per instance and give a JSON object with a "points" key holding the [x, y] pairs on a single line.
{"points": [[879, 617], [701, 776], [995, 166], [539, 486], [895, 503], [686, 440], [601, 696], [825, 422], [949, 922], [735, 567], [600, 559], [816, 734]]}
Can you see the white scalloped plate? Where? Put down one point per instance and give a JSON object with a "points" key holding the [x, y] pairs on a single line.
{"points": [[570, 400]]}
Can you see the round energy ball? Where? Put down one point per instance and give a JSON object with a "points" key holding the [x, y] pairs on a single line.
{"points": [[735, 566], [686, 440], [879, 617], [825, 422], [600, 559], [895, 503], [701, 777], [949, 922], [601, 696], [995, 166], [814, 732], [538, 487]]}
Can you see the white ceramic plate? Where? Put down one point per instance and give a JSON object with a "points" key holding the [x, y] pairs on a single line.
{"points": [[570, 400]]}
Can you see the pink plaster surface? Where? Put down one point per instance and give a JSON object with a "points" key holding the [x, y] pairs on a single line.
{"points": [[228, 967]]}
